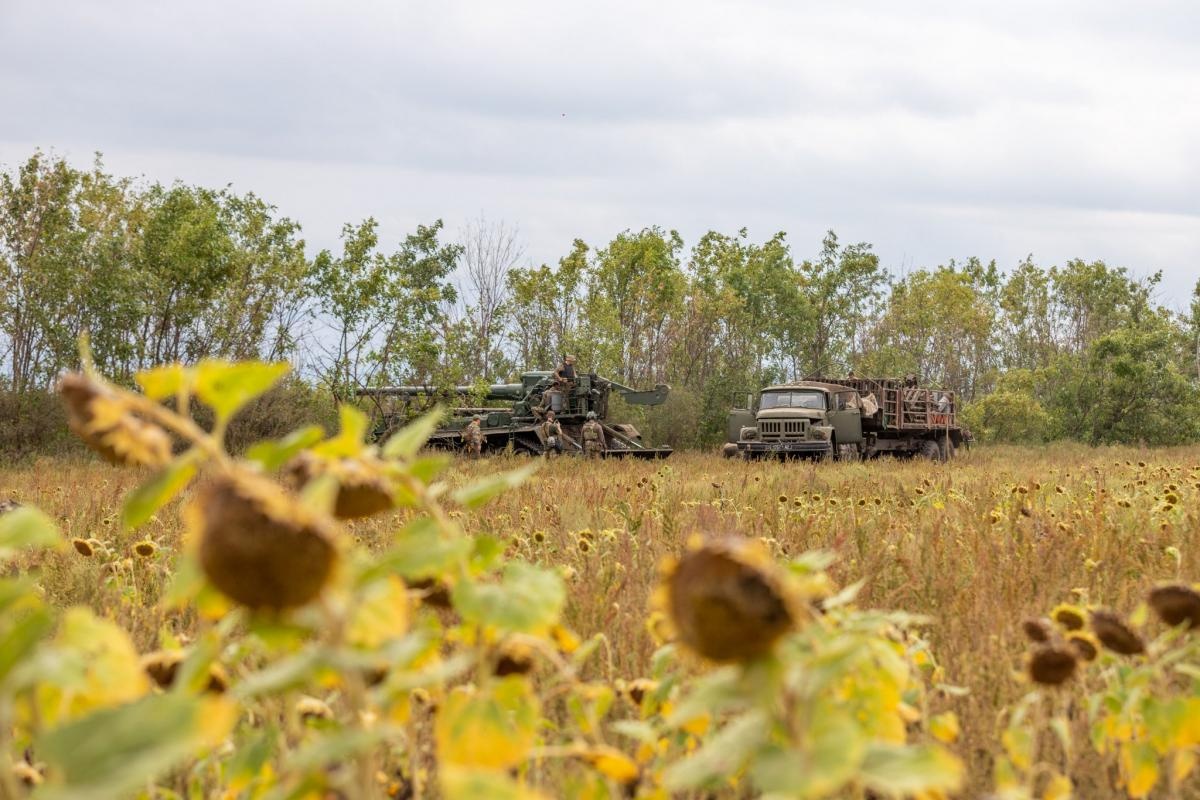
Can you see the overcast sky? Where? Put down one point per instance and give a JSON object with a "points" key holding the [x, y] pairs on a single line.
{"points": [[932, 130]]}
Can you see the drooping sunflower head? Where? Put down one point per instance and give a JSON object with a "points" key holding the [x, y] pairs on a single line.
{"points": [[1176, 604], [512, 658], [1115, 633], [103, 420], [1086, 646], [162, 666], [260, 546], [1038, 629], [1069, 616], [728, 601], [1051, 664], [363, 485]]}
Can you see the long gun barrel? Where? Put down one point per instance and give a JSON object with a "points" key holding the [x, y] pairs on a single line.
{"points": [[498, 391]]}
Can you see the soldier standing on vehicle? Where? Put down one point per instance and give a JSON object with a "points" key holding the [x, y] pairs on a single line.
{"points": [[593, 437], [552, 433], [565, 373], [473, 437]]}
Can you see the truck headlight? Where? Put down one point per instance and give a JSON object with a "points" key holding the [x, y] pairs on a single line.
{"points": [[822, 432], [748, 434]]}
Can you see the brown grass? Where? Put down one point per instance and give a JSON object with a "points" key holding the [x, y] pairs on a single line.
{"points": [[979, 545]]}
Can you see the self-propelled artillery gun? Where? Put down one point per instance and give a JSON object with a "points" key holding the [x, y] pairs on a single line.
{"points": [[511, 414]]}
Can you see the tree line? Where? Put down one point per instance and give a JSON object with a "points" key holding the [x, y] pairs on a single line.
{"points": [[159, 273]]}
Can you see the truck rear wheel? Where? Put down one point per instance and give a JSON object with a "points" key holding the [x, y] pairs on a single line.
{"points": [[929, 449]]}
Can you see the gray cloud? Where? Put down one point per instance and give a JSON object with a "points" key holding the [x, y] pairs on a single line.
{"points": [[934, 130]]}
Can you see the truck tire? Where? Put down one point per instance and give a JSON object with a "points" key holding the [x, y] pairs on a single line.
{"points": [[945, 448], [930, 450]]}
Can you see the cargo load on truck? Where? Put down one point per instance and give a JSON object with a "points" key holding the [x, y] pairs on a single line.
{"points": [[847, 418]]}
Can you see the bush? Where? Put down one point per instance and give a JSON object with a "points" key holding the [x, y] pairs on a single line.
{"points": [[34, 423]]}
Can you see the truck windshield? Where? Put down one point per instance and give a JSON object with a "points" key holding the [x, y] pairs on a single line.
{"points": [[792, 400]]}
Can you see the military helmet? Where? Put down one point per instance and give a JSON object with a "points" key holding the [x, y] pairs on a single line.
{"points": [[591, 415], [570, 359], [477, 418]]}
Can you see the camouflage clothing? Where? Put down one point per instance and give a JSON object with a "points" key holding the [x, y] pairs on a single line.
{"points": [[593, 439], [473, 438], [552, 435]]}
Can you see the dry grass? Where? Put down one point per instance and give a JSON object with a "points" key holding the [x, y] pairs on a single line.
{"points": [[978, 545]]}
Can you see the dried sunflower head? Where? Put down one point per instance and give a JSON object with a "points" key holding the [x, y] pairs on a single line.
{"points": [[311, 708], [83, 547], [1051, 664], [513, 658], [1038, 629], [26, 774], [1176, 604], [729, 601], [363, 485], [1070, 617], [637, 689], [433, 592], [261, 547], [1115, 634], [145, 549], [1086, 646], [163, 665], [98, 416]]}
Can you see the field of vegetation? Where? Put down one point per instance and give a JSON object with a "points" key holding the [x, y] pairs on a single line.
{"points": [[695, 627]]}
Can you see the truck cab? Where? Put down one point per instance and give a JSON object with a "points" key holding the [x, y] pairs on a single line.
{"points": [[807, 419]]}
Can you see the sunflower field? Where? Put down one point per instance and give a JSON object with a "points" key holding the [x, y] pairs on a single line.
{"points": [[324, 617]]}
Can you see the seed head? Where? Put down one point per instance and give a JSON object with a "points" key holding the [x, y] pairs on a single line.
{"points": [[1115, 634], [145, 549], [363, 485], [638, 689], [163, 665], [1176, 604], [1085, 645], [1038, 630], [434, 593], [310, 708], [1070, 617], [98, 416], [261, 547], [1051, 665], [729, 602], [27, 774], [83, 547], [513, 659]]}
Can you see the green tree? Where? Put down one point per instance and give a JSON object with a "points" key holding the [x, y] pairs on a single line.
{"points": [[940, 325], [38, 250], [350, 301], [417, 299], [635, 286], [544, 325], [1027, 322], [1127, 387], [840, 285]]}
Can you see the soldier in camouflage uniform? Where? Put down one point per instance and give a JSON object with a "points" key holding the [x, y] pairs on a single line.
{"points": [[552, 434], [593, 436], [473, 437]]}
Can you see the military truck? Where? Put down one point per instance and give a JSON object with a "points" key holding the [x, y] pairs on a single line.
{"points": [[511, 413], [846, 419]]}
